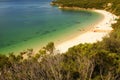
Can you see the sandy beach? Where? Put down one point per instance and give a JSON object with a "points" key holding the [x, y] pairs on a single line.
{"points": [[98, 31]]}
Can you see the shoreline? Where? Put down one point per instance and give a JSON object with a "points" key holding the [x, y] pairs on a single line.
{"points": [[57, 41], [89, 34], [94, 34]]}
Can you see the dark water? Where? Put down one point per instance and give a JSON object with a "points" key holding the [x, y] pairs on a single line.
{"points": [[25, 23]]}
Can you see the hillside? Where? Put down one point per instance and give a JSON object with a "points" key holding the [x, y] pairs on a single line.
{"points": [[98, 61]]}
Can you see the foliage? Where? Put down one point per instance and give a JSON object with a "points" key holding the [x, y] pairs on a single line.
{"points": [[50, 47], [98, 61]]}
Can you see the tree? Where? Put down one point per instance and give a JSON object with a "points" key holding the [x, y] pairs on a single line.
{"points": [[50, 47]]}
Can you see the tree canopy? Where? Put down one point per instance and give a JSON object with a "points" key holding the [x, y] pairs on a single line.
{"points": [[98, 61]]}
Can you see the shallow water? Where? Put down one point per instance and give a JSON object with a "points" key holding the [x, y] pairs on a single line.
{"points": [[31, 24]]}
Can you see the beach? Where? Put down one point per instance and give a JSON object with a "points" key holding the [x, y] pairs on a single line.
{"points": [[65, 28], [96, 33], [44, 24]]}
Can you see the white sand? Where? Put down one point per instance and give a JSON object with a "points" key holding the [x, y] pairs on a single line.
{"points": [[100, 30]]}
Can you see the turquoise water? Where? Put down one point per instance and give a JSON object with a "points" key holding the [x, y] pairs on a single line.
{"points": [[32, 24]]}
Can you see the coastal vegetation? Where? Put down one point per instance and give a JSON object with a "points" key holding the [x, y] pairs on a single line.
{"points": [[111, 5], [98, 61]]}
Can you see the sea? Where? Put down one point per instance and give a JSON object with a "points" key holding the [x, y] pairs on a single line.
{"points": [[31, 24]]}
